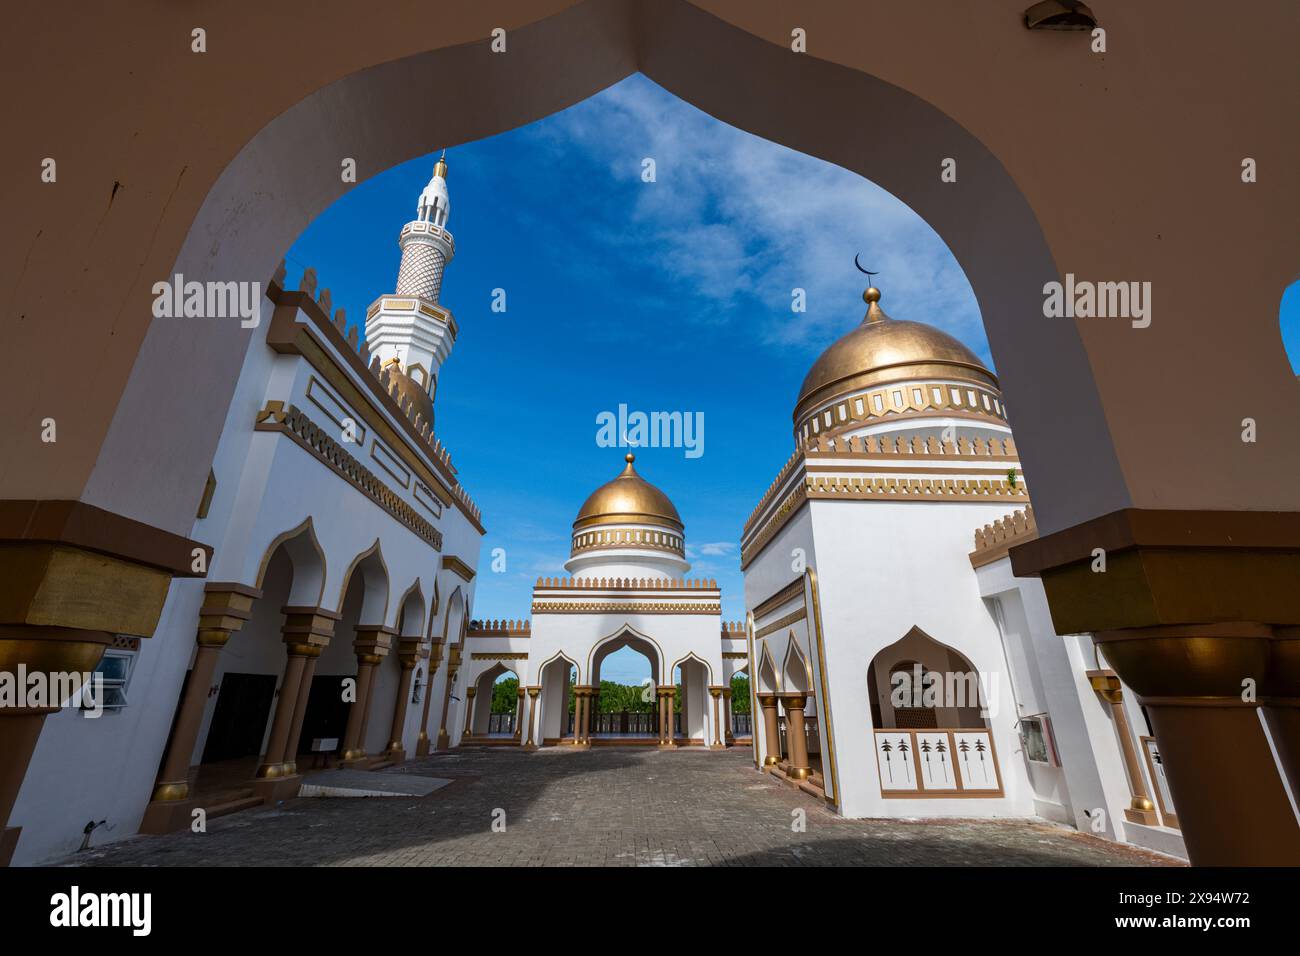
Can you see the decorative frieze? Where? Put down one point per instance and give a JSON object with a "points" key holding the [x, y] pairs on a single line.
{"points": [[628, 584], [306, 433], [625, 607]]}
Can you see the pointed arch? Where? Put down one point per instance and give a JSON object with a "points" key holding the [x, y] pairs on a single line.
{"points": [[955, 699], [560, 656], [435, 605], [621, 635], [411, 601], [797, 675], [374, 574], [308, 559], [769, 678], [690, 656], [454, 601]]}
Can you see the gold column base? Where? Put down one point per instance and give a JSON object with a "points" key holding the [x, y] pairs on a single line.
{"points": [[171, 790], [770, 761], [395, 754], [1145, 817], [168, 816], [799, 773], [422, 745], [444, 741], [272, 771]]}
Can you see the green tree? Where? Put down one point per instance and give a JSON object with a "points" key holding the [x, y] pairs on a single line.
{"points": [[740, 694], [505, 695]]}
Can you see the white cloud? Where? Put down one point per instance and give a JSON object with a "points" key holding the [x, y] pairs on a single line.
{"points": [[736, 218], [711, 549]]}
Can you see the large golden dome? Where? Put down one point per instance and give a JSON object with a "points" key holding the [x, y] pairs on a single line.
{"points": [[882, 350], [628, 499]]}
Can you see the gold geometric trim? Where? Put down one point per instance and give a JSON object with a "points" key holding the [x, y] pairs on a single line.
{"points": [[783, 622], [307, 434], [502, 656], [783, 596], [901, 398], [635, 607]]}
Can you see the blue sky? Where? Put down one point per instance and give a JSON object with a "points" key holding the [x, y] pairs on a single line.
{"points": [[672, 295]]}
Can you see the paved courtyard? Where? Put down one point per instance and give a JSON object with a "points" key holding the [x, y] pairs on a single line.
{"points": [[604, 807]]}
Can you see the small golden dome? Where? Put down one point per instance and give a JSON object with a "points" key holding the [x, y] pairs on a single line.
{"points": [[882, 350], [628, 499], [410, 390]]}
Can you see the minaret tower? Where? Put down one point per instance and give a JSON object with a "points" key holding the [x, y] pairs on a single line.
{"points": [[409, 331]]}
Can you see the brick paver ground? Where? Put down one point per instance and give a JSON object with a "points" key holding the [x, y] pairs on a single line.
{"points": [[604, 807]]}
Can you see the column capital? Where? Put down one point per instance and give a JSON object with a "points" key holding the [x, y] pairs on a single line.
{"points": [[372, 641], [1167, 567], [767, 700], [409, 651], [1106, 684], [534, 691], [471, 691], [308, 625]]}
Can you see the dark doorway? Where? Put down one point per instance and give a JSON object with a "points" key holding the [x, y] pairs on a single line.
{"points": [[239, 722], [327, 711]]}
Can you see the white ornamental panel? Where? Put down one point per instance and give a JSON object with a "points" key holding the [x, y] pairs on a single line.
{"points": [[975, 763], [895, 759], [934, 753]]}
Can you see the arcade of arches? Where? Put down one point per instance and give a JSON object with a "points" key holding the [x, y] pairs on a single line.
{"points": [[1126, 684]]}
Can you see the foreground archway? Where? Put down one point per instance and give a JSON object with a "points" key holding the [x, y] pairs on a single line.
{"points": [[1093, 440]]}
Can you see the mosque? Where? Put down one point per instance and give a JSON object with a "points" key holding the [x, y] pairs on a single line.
{"points": [[898, 668]]}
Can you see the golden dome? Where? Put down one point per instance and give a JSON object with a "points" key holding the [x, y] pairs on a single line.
{"points": [[410, 390], [882, 350], [628, 499]]}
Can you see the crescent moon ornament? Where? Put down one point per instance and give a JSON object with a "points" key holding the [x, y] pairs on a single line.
{"points": [[862, 270]]}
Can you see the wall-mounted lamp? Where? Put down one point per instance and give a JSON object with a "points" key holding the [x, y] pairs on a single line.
{"points": [[1060, 15]]}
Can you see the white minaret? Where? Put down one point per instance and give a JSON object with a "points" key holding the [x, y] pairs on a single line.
{"points": [[410, 328]]}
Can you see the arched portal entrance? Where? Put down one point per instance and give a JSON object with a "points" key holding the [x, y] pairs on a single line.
{"points": [[621, 712], [932, 736]]}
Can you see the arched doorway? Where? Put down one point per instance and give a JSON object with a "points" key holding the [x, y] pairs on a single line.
{"points": [[554, 704], [740, 709], [363, 608], [626, 710], [495, 704], [693, 716], [247, 730], [929, 711]]}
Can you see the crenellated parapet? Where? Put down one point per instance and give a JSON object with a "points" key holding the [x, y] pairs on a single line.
{"points": [[504, 628], [993, 541], [904, 446], [733, 630], [382, 382]]}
